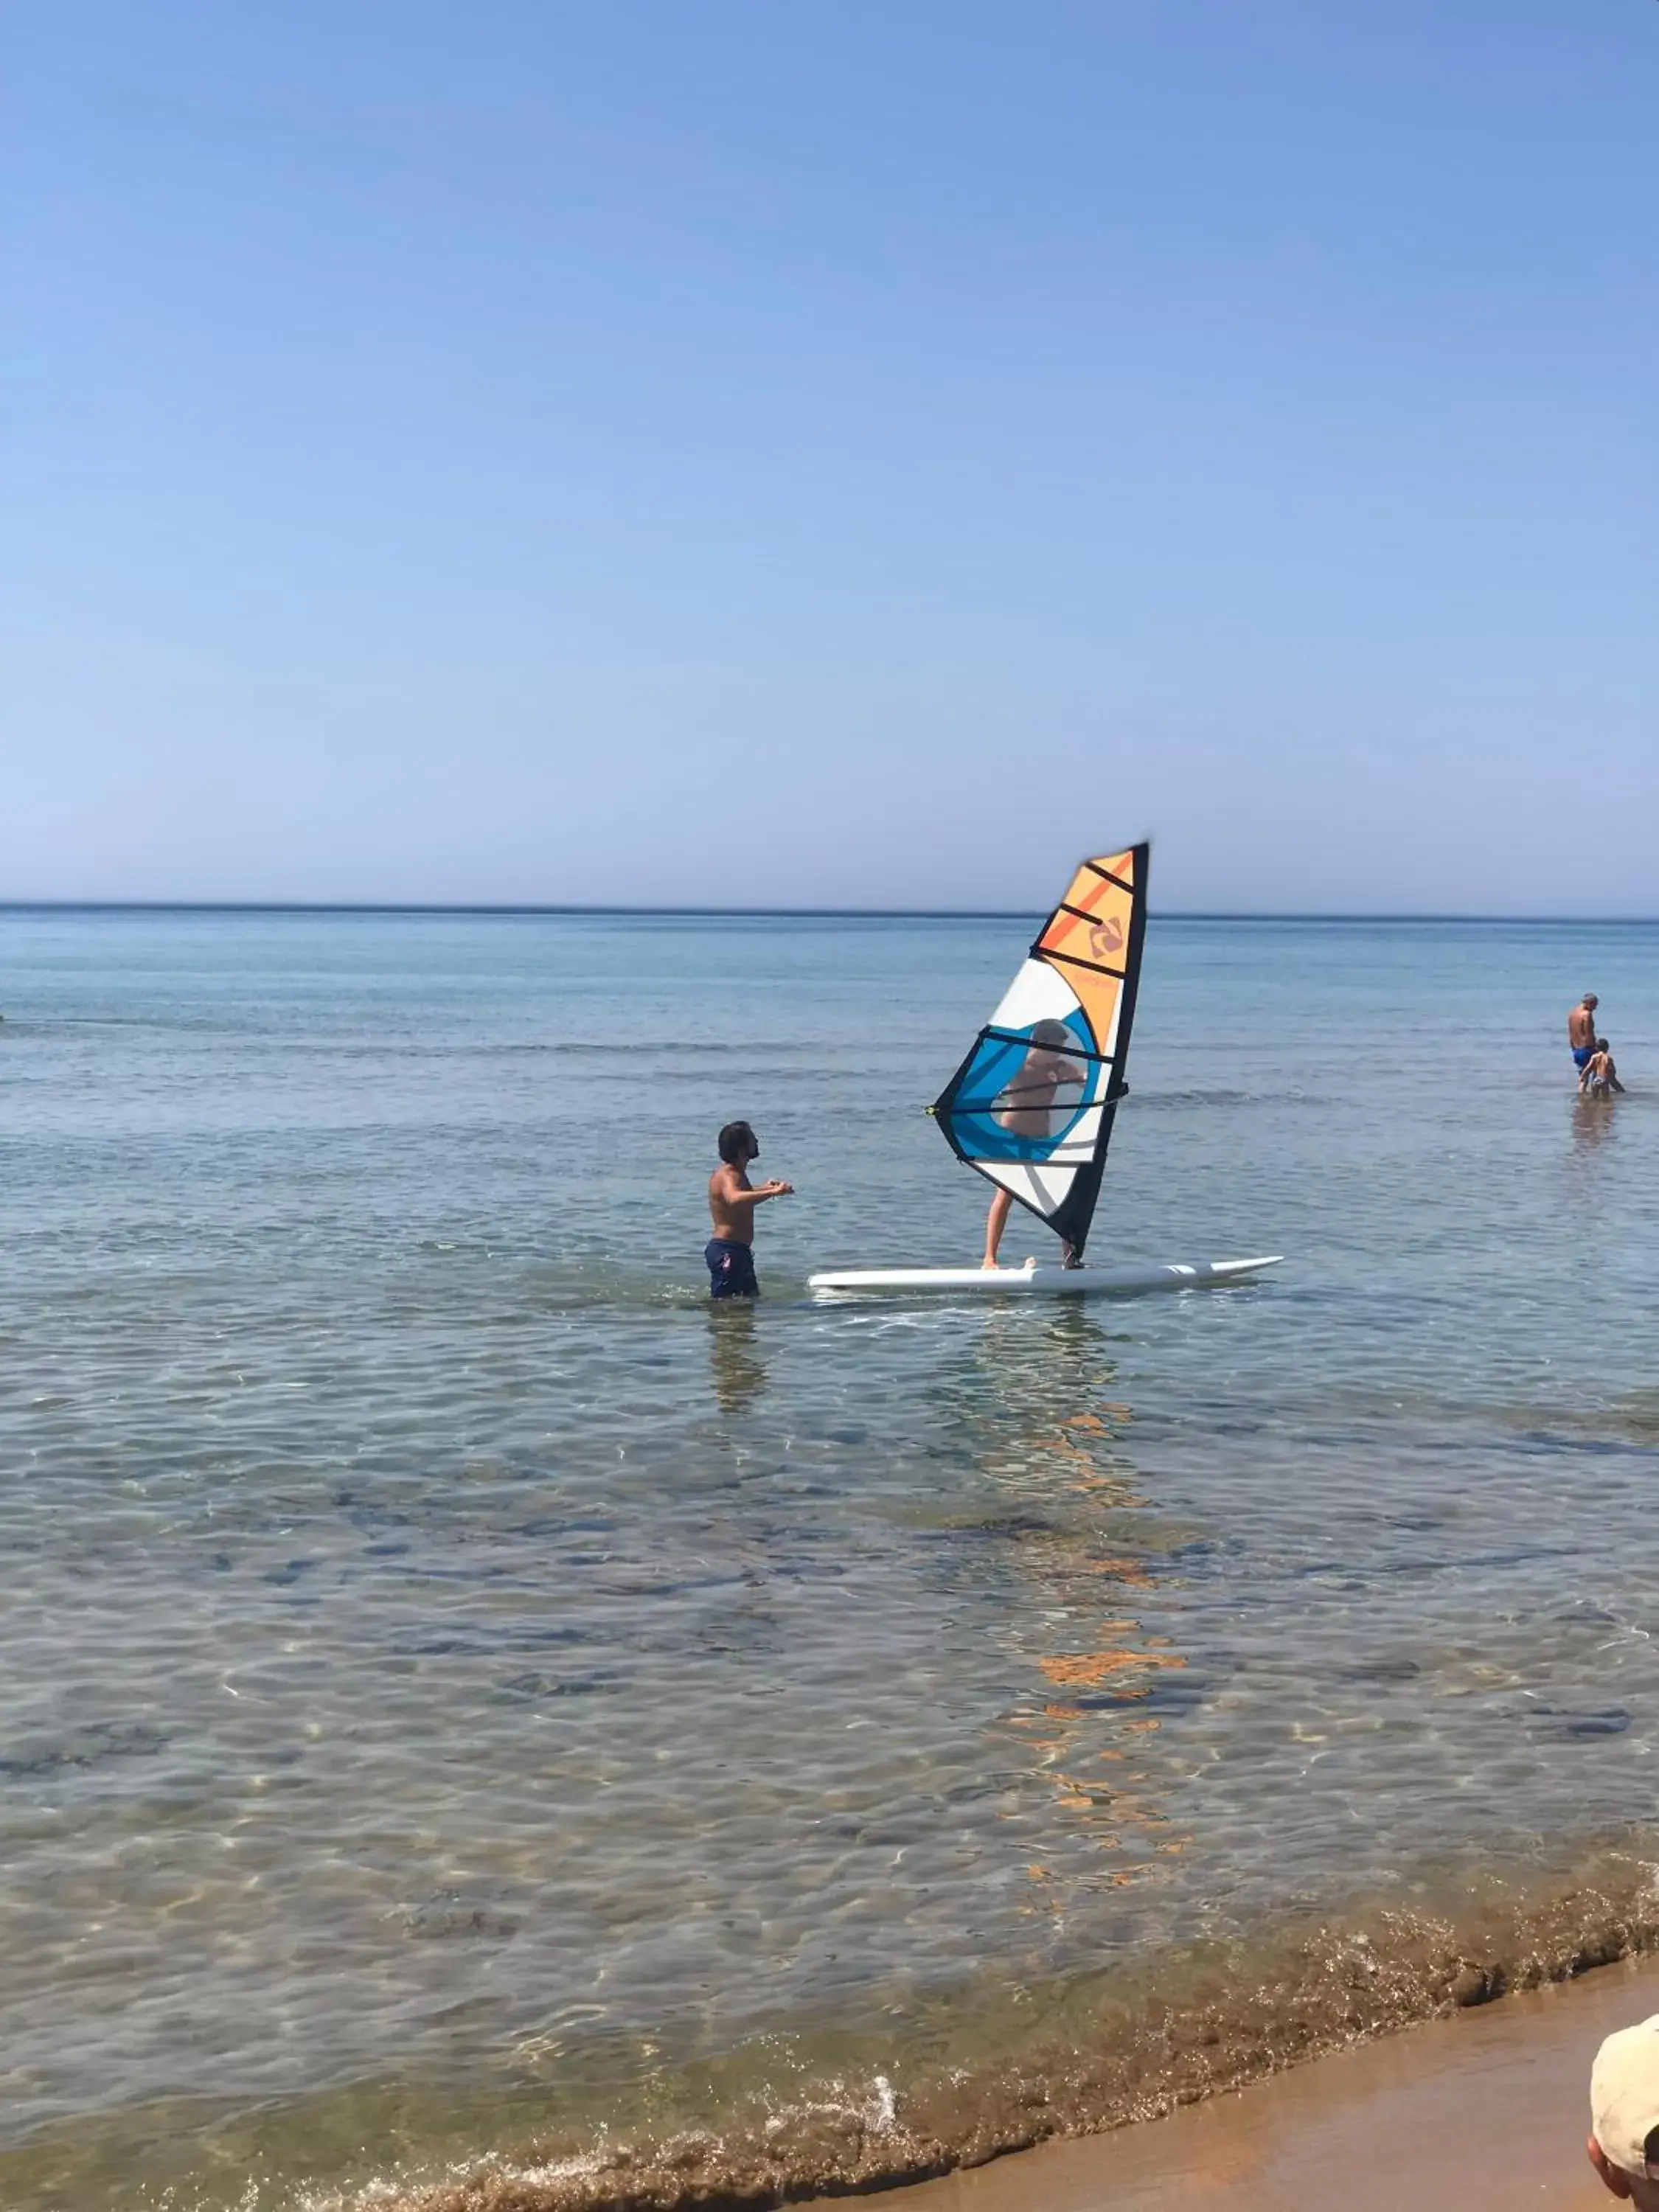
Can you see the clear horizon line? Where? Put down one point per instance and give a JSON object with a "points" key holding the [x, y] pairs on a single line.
{"points": [[511, 911]]}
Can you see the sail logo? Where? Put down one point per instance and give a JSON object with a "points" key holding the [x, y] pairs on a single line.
{"points": [[1106, 938]]}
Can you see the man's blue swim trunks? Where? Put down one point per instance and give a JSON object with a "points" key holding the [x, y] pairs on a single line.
{"points": [[1582, 1055], [731, 1269]]}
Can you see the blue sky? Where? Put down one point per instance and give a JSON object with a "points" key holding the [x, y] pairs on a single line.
{"points": [[845, 452]]}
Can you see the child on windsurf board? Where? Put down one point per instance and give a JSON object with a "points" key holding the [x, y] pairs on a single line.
{"points": [[732, 1199], [1025, 1107]]}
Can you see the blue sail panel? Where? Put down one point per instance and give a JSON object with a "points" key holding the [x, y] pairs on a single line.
{"points": [[1026, 1095]]}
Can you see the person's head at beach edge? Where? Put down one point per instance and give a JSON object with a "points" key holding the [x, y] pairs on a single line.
{"points": [[738, 1145], [1624, 2141]]}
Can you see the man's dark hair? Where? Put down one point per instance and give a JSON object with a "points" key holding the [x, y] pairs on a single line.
{"points": [[737, 1142]]}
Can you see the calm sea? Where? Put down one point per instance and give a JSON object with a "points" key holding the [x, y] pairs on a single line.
{"points": [[466, 1701]]}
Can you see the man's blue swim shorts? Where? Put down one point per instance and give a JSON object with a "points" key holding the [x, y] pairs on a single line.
{"points": [[731, 1269], [1582, 1055]]}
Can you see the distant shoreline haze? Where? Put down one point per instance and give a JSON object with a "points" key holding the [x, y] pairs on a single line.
{"points": [[415, 908]]}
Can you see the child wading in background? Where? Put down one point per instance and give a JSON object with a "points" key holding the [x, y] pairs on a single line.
{"points": [[1600, 1079], [731, 1202]]}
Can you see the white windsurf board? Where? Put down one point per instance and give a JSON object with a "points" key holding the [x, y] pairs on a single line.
{"points": [[1069, 1282]]}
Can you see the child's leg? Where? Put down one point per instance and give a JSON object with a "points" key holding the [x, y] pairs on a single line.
{"points": [[995, 1221]]}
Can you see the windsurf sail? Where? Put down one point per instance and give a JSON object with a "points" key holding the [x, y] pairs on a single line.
{"points": [[1032, 1105]]}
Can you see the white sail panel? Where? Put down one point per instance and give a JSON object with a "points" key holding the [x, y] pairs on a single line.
{"points": [[1040, 1189], [1037, 994]]}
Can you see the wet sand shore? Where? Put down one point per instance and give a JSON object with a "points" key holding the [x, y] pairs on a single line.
{"points": [[1486, 2109]]}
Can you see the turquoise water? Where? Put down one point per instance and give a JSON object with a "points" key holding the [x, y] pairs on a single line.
{"points": [[454, 1677]]}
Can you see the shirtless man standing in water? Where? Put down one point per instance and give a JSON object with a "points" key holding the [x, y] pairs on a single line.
{"points": [[730, 1252], [1581, 1031], [1028, 1112]]}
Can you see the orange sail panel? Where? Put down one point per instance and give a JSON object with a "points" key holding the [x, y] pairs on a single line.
{"points": [[1032, 1106], [1088, 935]]}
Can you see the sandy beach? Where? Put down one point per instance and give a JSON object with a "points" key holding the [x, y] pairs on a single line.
{"points": [[1487, 2109]]}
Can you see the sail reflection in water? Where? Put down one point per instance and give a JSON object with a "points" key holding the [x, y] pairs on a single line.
{"points": [[1094, 1683]]}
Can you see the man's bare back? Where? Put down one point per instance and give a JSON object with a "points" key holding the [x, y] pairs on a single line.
{"points": [[1580, 1025]]}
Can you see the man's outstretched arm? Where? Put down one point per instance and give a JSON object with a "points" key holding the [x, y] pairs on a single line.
{"points": [[729, 1196]]}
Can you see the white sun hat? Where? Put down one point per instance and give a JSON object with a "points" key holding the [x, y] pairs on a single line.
{"points": [[1624, 2096]]}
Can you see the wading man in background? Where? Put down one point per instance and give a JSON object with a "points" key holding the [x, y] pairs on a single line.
{"points": [[1581, 1031], [731, 1202]]}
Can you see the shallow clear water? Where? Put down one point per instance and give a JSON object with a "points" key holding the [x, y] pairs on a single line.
{"points": [[438, 1648]]}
